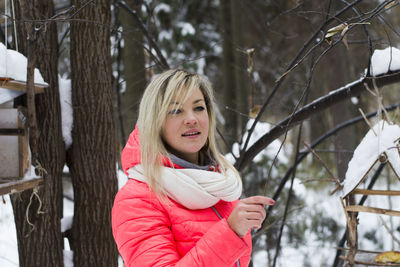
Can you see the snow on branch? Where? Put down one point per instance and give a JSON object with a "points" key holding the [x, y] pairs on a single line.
{"points": [[385, 61], [346, 92]]}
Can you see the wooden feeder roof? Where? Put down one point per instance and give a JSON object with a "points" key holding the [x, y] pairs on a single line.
{"points": [[10, 89], [20, 86], [13, 67], [381, 139]]}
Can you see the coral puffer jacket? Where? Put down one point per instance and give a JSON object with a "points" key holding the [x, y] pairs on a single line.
{"points": [[150, 232]]}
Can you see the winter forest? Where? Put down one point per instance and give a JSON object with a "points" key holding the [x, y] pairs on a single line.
{"points": [[308, 96]]}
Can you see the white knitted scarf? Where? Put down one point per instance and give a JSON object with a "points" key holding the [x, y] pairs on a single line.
{"points": [[195, 189]]}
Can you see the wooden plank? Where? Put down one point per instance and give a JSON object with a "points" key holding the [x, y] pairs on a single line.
{"points": [[370, 263], [12, 131], [359, 250], [19, 185], [21, 86], [23, 143], [376, 192], [358, 208]]}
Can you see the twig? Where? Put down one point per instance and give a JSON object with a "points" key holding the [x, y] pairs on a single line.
{"points": [[381, 108], [354, 89], [117, 92], [389, 230], [164, 63], [318, 180], [288, 201], [281, 217], [245, 157], [367, 121], [324, 165]]}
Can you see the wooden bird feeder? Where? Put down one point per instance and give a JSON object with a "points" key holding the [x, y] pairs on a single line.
{"points": [[14, 138], [14, 131], [385, 150]]}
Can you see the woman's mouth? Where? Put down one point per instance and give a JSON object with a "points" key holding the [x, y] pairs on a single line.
{"points": [[191, 134]]}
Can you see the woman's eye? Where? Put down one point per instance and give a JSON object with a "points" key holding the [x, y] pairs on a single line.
{"points": [[174, 111], [199, 108]]}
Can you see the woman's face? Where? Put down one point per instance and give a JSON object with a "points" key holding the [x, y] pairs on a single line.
{"points": [[185, 128]]}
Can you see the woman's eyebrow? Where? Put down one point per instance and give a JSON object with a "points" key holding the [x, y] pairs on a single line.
{"points": [[194, 102], [198, 100]]}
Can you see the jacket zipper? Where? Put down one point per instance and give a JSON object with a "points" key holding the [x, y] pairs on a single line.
{"points": [[219, 216]]}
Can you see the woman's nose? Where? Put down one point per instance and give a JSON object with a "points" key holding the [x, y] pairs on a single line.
{"points": [[190, 119]]}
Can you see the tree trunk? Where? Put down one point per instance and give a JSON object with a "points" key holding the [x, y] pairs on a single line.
{"points": [[234, 62], [241, 84], [92, 158], [40, 244], [134, 67], [344, 140], [228, 73]]}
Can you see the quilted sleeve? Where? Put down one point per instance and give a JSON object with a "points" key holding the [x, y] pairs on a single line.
{"points": [[142, 233]]}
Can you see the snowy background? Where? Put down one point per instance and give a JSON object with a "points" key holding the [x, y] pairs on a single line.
{"points": [[317, 200]]}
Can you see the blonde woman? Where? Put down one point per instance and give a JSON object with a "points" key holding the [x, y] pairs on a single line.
{"points": [[180, 206]]}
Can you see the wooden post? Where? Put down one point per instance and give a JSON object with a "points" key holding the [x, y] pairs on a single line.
{"points": [[30, 82], [23, 143], [352, 239]]}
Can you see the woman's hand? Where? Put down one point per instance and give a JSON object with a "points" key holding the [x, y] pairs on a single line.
{"points": [[248, 213]]}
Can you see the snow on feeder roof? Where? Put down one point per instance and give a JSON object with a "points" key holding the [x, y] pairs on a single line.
{"points": [[382, 138], [13, 67]]}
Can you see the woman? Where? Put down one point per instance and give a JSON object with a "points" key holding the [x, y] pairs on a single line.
{"points": [[181, 207]]}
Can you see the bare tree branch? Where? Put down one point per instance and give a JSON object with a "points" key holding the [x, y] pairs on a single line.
{"points": [[302, 155], [296, 60], [303, 52], [353, 89], [278, 246], [163, 61]]}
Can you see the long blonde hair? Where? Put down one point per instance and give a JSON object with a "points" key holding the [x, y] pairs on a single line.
{"points": [[160, 92]]}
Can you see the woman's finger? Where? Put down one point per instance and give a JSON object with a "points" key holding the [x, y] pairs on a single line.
{"points": [[259, 200], [254, 216]]}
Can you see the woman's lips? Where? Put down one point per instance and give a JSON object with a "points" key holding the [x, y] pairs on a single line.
{"points": [[191, 134]]}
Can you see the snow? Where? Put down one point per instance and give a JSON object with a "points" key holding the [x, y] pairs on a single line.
{"points": [[165, 35], [8, 235], [66, 223], [7, 95], [30, 174], [260, 259], [369, 150], [162, 7], [14, 65], [270, 151], [186, 28], [385, 60], [354, 100], [122, 178], [346, 87], [313, 250], [64, 86], [68, 258]]}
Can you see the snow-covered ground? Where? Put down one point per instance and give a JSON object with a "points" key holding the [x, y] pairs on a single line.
{"points": [[8, 235], [313, 250]]}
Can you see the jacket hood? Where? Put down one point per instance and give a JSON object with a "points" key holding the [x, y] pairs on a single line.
{"points": [[131, 155]]}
